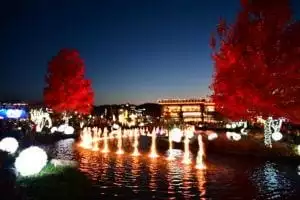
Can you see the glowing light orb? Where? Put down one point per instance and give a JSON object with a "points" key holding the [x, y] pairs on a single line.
{"points": [[69, 130], [233, 126], [176, 135], [233, 136], [236, 136], [298, 149], [9, 144], [31, 161], [277, 136], [212, 136], [115, 126], [53, 129]]}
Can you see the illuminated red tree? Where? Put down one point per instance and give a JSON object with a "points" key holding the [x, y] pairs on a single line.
{"points": [[67, 90], [257, 62]]}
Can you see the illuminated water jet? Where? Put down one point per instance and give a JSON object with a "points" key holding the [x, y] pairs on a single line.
{"points": [[200, 155], [120, 150], [153, 153], [105, 144], [186, 157], [171, 155], [136, 144], [86, 139]]}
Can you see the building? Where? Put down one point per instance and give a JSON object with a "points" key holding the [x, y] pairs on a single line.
{"points": [[188, 110]]}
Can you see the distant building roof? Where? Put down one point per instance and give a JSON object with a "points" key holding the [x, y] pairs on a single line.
{"points": [[185, 101]]}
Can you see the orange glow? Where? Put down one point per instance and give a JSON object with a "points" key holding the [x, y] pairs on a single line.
{"points": [[86, 139]]}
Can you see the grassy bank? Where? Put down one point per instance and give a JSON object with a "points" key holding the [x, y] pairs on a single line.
{"points": [[56, 183]]}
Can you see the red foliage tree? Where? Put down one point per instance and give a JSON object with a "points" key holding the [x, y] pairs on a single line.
{"points": [[66, 88], [257, 62]]}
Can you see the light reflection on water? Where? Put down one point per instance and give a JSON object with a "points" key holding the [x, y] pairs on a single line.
{"points": [[127, 177]]}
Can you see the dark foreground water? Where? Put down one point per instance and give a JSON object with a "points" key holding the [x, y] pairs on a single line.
{"points": [[226, 177]]}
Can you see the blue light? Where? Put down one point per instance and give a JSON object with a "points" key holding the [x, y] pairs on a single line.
{"points": [[13, 114]]}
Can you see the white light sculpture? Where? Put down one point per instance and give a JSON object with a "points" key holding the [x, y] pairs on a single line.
{"points": [[228, 126], [66, 129], [212, 136], [9, 144], [236, 136], [176, 135], [272, 131], [233, 136], [40, 119], [31, 161], [53, 129]]}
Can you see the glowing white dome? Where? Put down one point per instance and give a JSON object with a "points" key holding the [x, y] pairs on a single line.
{"points": [[228, 126], [9, 144], [69, 130], [277, 136], [212, 136], [31, 161], [176, 135]]}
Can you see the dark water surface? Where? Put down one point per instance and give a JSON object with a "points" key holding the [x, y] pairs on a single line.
{"points": [[226, 177]]}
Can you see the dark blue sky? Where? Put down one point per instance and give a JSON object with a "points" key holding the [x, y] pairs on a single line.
{"points": [[134, 51]]}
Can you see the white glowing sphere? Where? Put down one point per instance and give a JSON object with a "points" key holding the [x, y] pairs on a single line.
{"points": [[62, 128], [142, 124], [176, 135], [9, 144], [236, 136], [298, 149], [228, 126], [31, 161], [69, 130], [233, 126], [277, 136], [212, 136], [53, 129], [229, 135], [115, 126]]}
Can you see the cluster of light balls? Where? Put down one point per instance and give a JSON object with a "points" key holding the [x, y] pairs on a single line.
{"points": [[30, 161], [64, 128]]}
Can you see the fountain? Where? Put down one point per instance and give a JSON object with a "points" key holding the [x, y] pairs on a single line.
{"points": [[186, 157], [171, 156], [136, 144], [105, 146], [200, 155], [86, 139], [153, 153], [120, 150]]}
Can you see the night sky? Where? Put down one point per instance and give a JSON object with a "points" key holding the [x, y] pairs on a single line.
{"points": [[134, 51]]}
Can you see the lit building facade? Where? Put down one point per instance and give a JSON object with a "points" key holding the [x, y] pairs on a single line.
{"points": [[188, 110]]}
